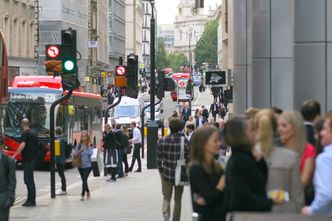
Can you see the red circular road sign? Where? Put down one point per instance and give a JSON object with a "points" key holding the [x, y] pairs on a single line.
{"points": [[53, 51], [120, 70], [182, 84]]}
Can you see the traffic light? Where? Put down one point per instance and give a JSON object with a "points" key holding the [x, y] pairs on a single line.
{"points": [[161, 85], [69, 50], [69, 61], [132, 75]]}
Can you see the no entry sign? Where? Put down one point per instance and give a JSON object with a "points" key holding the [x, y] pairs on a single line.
{"points": [[53, 51], [120, 70]]}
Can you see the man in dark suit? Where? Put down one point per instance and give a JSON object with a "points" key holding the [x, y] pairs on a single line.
{"points": [[311, 112], [214, 109], [186, 112], [7, 184], [205, 113]]}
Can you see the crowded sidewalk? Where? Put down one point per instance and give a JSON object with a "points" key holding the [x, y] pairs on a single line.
{"points": [[136, 197]]}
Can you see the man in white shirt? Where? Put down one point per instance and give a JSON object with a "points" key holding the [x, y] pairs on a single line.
{"points": [[137, 142], [322, 204]]}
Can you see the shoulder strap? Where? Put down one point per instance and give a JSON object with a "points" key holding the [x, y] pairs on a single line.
{"points": [[182, 148]]}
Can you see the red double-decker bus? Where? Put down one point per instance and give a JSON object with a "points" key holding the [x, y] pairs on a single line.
{"points": [[31, 97]]}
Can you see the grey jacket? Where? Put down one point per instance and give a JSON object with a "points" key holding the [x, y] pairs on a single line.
{"points": [[284, 173]]}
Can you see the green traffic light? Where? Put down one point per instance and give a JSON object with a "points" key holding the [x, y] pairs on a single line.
{"points": [[69, 65]]}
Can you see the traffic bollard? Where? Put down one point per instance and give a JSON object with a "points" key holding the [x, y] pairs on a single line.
{"points": [[57, 149]]}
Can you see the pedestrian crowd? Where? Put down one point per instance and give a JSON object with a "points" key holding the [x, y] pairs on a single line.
{"points": [[117, 143], [267, 160]]}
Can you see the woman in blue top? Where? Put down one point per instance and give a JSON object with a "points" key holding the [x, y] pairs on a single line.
{"points": [[84, 149]]}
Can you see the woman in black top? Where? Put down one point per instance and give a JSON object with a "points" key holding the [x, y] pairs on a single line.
{"points": [[246, 175], [206, 175]]}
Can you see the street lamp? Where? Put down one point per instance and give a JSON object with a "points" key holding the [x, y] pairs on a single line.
{"points": [[191, 34], [152, 126]]}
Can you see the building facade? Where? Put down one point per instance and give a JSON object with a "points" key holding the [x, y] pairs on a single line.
{"points": [[282, 60], [18, 24], [219, 32], [134, 20], [57, 15], [97, 44], [116, 32], [189, 26], [167, 32], [226, 35]]}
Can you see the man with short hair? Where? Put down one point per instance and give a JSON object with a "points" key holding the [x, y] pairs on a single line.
{"points": [[168, 153], [7, 183], [28, 149], [61, 160], [186, 112], [137, 142], [311, 112], [189, 131], [214, 110], [205, 113], [322, 204], [200, 121]]}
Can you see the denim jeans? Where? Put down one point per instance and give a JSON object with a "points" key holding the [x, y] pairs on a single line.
{"points": [[119, 164], [85, 172], [61, 171]]}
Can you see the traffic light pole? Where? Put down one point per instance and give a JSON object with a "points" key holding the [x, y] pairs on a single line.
{"points": [[142, 120], [52, 138], [110, 107], [153, 126]]}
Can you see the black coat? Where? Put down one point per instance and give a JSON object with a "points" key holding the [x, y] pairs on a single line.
{"points": [[118, 139], [246, 183], [203, 184], [108, 140]]}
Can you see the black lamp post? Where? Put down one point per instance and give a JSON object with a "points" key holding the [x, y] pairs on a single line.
{"points": [[152, 126]]}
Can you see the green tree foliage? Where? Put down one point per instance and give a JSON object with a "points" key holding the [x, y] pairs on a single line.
{"points": [[207, 46], [176, 60], [161, 57]]}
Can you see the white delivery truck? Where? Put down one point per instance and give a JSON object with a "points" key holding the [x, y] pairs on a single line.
{"points": [[127, 111]]}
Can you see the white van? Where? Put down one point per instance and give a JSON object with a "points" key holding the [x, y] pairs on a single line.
{"points": [[127, 111]]}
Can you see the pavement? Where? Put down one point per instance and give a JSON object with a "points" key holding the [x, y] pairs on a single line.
{"points": [[137, 197]]}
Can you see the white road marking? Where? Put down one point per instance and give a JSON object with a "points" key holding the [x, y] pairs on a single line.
{"points": [[20, 199]]}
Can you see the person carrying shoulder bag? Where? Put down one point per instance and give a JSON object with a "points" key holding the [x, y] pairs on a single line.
{"points": [[84, 150]]}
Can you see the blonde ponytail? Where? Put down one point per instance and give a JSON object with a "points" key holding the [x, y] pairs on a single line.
{"points": [[265, 123]]}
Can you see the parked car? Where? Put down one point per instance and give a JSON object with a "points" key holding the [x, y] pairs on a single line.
{"points": [[159, 114]]}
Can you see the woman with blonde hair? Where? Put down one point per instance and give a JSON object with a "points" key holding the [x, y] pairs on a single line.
{"points": [[293, 135], [84, 149], [283, 164]]}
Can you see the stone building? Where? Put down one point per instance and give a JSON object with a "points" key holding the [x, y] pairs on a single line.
{"points": [[18, 24]]}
